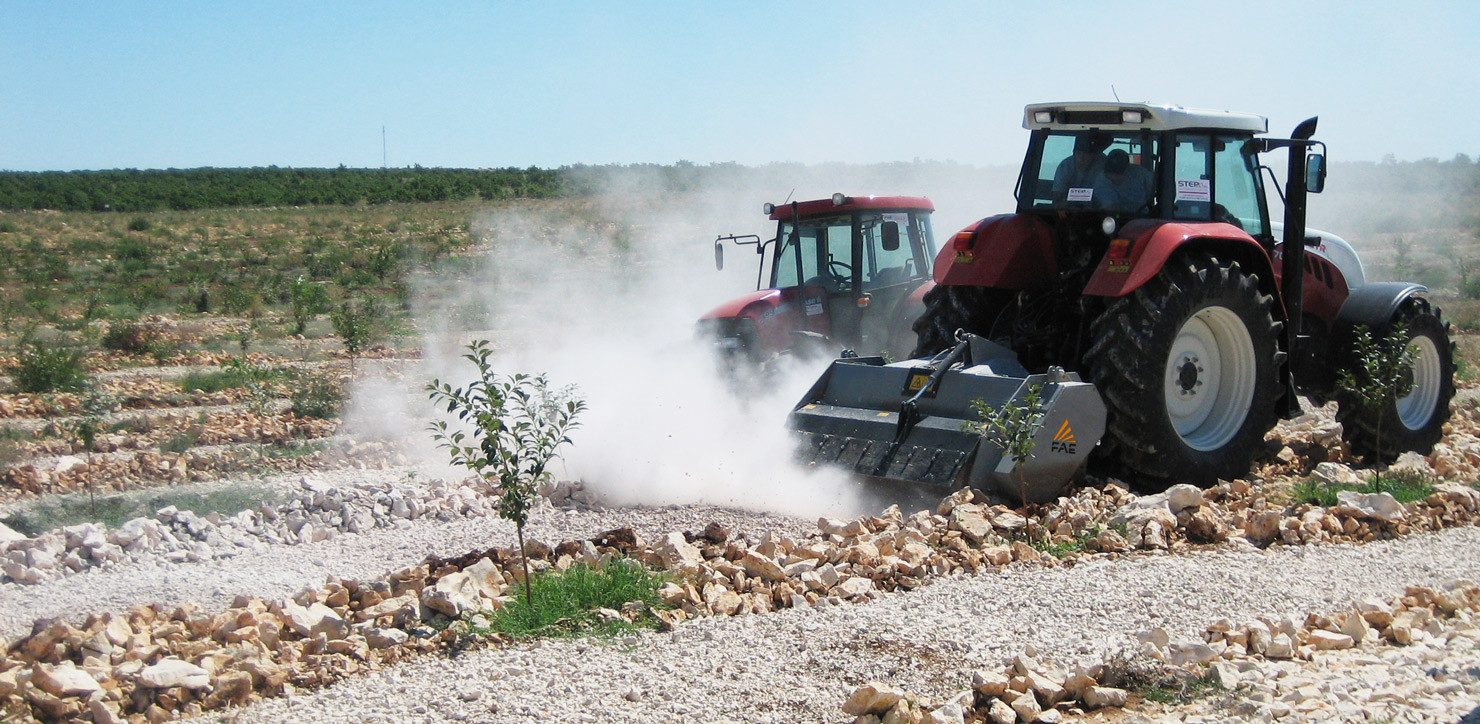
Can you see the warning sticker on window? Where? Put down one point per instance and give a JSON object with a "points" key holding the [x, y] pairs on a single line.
{"points": [[1194, 189], [813, 306], [902, 219], [1081, 194]]}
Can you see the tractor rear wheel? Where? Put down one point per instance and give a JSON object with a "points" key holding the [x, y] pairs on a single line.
{"points": [[1415, 421], [1188, 365]]}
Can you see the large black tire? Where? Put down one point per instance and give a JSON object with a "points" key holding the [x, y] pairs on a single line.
{"points": [[948, 309], [1415, 422], [1189, 368]]}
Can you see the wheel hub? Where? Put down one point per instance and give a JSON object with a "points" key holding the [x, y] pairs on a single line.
{"points": [[1187, 380]]}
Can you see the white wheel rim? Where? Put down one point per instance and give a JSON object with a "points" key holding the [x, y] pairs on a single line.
{"points": [[1417, 407], [1210, 376]]}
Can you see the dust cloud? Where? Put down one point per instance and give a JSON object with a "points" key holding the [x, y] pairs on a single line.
{"points": [[602, 294]]}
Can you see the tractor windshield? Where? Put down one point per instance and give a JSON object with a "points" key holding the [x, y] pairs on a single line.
{"points": [[820, 251], [1091, 171]]}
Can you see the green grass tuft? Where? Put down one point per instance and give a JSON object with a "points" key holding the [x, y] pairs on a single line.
{"points": [[566, 602], [1406, 486]]}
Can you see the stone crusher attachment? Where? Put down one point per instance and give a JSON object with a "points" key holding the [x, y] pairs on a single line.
{"points": [[907, 421]]}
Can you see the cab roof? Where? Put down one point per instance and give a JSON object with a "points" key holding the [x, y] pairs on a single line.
{"points": [[821, 207], [1080, 116]]}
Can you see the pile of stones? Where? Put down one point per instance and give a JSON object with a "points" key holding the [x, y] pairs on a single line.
{"points": [[1375, 662], [318, 511]]}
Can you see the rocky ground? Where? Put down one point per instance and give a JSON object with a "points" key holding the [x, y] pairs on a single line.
{"points": [[333, 599]]}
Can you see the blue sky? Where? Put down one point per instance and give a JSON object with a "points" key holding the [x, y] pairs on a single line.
{"points": [[86, 85]]}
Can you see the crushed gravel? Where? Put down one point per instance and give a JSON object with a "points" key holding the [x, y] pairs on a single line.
{"points": [[800, 665], [287, 569]]}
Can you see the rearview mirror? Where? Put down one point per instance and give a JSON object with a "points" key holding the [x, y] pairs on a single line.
{"points": [[719, 256], [891, 236], [1315, 173]]}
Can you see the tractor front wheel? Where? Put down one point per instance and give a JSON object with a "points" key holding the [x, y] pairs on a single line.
{"points": [[1189, 368], [1416, 420]]}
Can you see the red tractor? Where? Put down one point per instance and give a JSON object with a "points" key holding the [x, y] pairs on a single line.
{"points": [[845, 273], [1142, 260]]}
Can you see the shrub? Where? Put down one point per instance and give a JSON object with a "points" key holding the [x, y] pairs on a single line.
{"points": [[1011, 427], [1379, 374], [236, 300], [133, 256], [317, 396], [355, 323], [308, 300], [138, 223], [518, 427], [233, 374], [49, 368], [130, 337]]}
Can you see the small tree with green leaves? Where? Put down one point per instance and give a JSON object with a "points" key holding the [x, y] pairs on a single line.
{"points": [[85, 428], [1379, 373], [355, 324], [516, 427], [1012, 427], [308, 300]]}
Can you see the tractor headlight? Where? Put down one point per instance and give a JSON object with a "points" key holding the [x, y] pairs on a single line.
{"points": [[768, 209], [1130, 116], [1108, 226], [1043, 116], [839, 199]]}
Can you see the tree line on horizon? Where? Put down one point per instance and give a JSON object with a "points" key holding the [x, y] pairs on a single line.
{"points": [[135, 190]]}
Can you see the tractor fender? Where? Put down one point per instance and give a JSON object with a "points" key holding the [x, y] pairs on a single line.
{"points": [[917, 297], [1150, 243], [1373, 304], [1009, 251], [778, 313], [738, 306]]}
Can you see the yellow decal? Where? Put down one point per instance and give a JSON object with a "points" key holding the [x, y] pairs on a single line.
{"points": [[883, 414], [1063, 441], [964, 257], [1118, 267], [1065, 434], [809, 407], [917, 382]]}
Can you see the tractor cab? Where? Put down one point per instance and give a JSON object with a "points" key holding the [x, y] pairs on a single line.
{"points": [[840, 273], [1091, 168]]}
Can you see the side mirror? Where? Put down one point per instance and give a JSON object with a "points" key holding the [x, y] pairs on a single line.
{"points": [[719, 256], [1315, 173], [891, 236]]}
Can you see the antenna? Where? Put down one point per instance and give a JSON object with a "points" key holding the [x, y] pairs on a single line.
{"points": [[788, 197], [382, 146], [1113, 93]]}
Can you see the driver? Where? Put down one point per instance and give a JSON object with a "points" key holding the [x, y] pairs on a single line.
{"points": [[1128, 187], [1083, 169]]}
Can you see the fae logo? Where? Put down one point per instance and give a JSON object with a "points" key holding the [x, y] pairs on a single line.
{"points": [[1063, 440]]}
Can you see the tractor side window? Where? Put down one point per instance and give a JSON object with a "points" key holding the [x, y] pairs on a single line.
{"points": [[922, 245], [796, 260], [883, 267], [1193, 184], [836, 267], [1236, 195]]}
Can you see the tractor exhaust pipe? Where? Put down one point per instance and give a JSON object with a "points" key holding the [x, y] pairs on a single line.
{"points": [[1293, 269]]}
